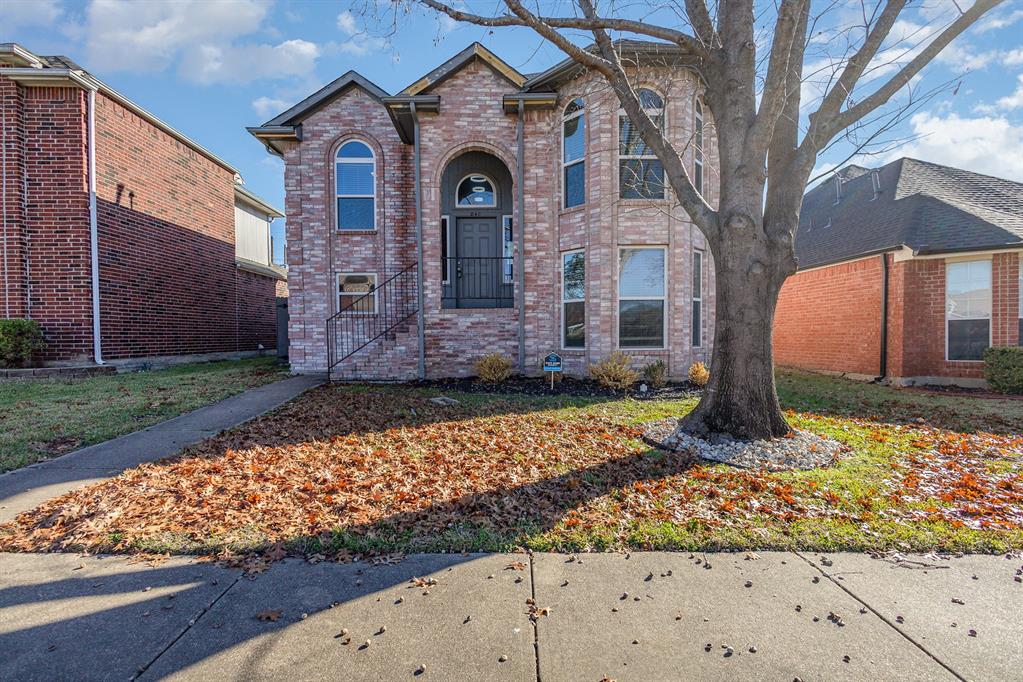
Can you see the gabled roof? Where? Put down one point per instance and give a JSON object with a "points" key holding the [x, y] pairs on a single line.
{"points": [[314, 101], [41, 70], [632, 52], [458, 62], [925, 206]]}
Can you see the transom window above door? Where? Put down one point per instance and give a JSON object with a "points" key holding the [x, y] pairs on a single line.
{"points": [[476, 191], [355, 169]]}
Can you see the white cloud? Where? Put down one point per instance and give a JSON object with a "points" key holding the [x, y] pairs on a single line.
{"points": [[268, 107], [346, 23], [1015, 100], [1013, 57], [983, 144], [18, 13], [203, 39], [209, 64], [993, 22], [359, 43]]}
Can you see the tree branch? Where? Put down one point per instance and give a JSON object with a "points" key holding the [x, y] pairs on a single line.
{"points": [[653, 135], [694, 46], [885, 92], [784, 68], [699, 17]]}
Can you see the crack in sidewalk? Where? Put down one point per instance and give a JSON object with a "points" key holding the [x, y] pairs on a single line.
{"points": [[885, 620], [536, 622], [191, 623]]}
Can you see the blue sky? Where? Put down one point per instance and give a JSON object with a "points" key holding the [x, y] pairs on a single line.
{"points": [[212, 67]]}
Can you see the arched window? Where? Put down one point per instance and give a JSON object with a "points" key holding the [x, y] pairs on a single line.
{"points": [[640, 172], [573, 133], [698, 148], [476, 191], [355, 169]]}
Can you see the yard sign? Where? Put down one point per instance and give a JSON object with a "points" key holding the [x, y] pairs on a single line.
{"points": [[552, 364]]}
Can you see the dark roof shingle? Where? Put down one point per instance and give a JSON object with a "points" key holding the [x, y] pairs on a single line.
{"points": [[925, 206]]}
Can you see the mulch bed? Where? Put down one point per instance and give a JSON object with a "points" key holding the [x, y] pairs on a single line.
{"points": [[570, 386]]}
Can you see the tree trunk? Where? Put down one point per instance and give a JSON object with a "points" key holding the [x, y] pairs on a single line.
{"points": [[740, 398]]}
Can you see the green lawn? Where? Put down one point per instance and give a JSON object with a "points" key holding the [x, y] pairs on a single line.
{"points": [[45, 418], [380, 469]]}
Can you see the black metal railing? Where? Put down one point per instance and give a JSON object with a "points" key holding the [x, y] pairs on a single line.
{"points": [[478, 283], [366, 317]]}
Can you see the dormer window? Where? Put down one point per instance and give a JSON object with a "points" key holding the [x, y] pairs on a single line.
{"points": [[476, 191]]}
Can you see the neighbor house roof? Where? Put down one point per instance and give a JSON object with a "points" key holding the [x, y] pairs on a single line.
{"points": [[257, 202], [40, 70], [924, 206]]}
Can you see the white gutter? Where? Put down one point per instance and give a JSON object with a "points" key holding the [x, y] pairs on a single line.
{"points": [[97, 339]]}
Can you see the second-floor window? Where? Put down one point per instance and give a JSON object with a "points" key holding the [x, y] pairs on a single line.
{"points": [[698, 148], [573, 152], [640, 173], [356, 187]]}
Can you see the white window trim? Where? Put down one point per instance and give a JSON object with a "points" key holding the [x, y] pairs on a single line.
{"points": [[662, 112], [698, 144], [338, 195], [376, 299], [697, 254], [581, 159], [990, 294], [664, 298], [493, 186], [572, 300], [445, 235]]}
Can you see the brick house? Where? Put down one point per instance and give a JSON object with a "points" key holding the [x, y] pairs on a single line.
{"points": [[122, 237], [485, 210], [906, 272]]}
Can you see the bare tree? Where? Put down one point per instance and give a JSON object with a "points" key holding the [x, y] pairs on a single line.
{"points": [[766, 151]]}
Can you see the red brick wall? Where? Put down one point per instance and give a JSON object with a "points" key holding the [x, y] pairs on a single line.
{"points": [[57, 260], [257, 321], [13, 282], [830, 319], [166, 231]]}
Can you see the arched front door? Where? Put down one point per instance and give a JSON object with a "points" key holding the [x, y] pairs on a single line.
{"points": [[477, 252]]}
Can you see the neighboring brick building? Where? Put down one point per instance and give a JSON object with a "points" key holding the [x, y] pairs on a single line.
{"points": [[166, 248], [907, 273], [545, 223]]}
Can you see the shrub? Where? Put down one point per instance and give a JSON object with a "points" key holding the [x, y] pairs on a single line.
{"points": [[493, 368], [20, 340], [699, 374], [1003, 369], [656, 374], [614, 371]]}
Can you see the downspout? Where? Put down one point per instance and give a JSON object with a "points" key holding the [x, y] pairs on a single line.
{"points": [[520, 211], [97, 342], [3, 204], [421, 319], [884, 316]]}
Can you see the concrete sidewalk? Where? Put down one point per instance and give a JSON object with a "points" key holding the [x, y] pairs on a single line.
{"points": [[644, 616], [23, 489]]}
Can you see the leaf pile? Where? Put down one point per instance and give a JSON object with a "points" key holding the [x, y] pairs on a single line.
{"points": [[956, 478], [346, 470]]}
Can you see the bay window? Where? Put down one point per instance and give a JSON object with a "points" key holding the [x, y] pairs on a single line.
{"points": [[573, 148], [640, 173], [967, 309], [642, 291]]}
